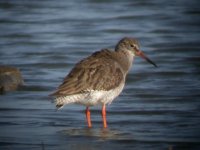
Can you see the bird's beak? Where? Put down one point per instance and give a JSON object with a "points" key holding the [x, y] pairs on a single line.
{"points": [[141, 54]]}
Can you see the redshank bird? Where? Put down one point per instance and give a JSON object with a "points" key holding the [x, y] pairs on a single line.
{"points": [[99, 78]]}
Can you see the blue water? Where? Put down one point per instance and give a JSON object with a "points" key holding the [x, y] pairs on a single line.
{"points": [[159, 107]]}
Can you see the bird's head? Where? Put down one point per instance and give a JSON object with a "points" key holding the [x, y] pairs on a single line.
{"points": [[132, 45]]}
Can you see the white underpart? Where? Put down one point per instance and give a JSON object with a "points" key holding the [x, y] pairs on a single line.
{"points": [[91, 98]]}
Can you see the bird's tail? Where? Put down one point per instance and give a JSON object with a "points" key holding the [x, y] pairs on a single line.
{"points": [[60, 102]]}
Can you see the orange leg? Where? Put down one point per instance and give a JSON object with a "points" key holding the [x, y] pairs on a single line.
{"points": [[87, 112], [104, 116]]}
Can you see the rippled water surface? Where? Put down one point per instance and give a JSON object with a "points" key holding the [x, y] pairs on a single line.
{"points": [[159, 107]]}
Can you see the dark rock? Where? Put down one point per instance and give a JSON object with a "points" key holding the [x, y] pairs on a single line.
{"points": [[10, 79]]}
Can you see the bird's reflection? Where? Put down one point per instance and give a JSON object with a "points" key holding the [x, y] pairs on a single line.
{"points": [[100, 134]]}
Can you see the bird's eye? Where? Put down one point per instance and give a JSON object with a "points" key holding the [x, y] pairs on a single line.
{"points": [[132, 45]]}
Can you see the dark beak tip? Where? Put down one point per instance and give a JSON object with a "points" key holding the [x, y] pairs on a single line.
{"points": [[155, 66], [151, 62]]}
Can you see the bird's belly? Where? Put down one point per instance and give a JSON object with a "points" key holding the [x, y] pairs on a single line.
{"points": [[100, 97], [91, 98]]}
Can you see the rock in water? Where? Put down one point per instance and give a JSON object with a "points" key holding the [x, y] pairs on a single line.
{"points": [[10, 79]]}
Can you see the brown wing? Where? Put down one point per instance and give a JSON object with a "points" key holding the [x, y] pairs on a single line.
{"points": [[96, 72]]}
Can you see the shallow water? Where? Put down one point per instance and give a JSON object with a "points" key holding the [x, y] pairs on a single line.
{"points": [[159, 107]]}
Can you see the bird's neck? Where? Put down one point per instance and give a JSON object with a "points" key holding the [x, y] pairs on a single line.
{"points": [[125, 59]]}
